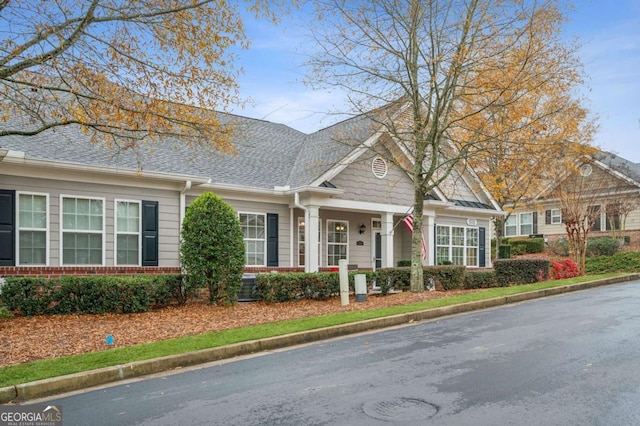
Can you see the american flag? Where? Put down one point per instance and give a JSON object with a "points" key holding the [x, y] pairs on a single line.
{"points": [[408, 221]]}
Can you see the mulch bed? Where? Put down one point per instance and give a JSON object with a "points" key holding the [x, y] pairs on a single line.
{"points": [[25, 339]]}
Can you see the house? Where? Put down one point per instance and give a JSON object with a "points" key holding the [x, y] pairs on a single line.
{"points": [[612, 188], [305, 201]]}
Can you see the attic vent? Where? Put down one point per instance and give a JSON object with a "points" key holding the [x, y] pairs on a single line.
{"points": [[379, 167], [585, 170]]}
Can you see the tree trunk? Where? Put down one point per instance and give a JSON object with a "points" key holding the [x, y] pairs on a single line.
{"points": [[416, 280]]}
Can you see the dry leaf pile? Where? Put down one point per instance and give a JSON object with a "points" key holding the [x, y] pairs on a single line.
{"points": [[49, 336]]}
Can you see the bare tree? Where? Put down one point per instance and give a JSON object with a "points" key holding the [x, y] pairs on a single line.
{"points": [[580, 196], [441, 66]]}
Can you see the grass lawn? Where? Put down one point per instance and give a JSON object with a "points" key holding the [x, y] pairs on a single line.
{"points": [[38, 370]]}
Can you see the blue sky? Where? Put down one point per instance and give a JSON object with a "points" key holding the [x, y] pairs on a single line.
{"points": [[609, 32]]}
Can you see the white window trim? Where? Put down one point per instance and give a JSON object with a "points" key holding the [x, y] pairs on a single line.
{"points": [[556, 219], [47, 227], [326, 257], [515, 216], [115, 231], [520, 224], [264, 254], [62, 230], [464, 246]]}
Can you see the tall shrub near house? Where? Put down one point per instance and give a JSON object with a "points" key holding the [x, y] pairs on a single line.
{"points": [[212, 248]]}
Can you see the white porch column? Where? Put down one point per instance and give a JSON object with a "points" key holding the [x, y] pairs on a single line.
{"points": [[387, 240], [428, 223], [311, 254]]}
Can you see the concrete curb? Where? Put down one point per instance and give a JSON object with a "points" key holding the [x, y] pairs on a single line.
{"points": [[78, 381]]}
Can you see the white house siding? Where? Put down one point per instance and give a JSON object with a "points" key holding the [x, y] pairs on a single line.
{"points": [[360, 184], [77, 186]]}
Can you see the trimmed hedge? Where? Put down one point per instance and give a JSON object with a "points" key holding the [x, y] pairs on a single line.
{"points": [[449, 277], [480, 279], [89, 294], [302, 285], [619, 262], [521, 271], [526, 245]]}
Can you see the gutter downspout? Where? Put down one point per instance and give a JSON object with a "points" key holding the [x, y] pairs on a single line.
{"points": [[183, 202]]}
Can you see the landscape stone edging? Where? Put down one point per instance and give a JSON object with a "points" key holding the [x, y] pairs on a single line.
{"points": [[77, 381]]}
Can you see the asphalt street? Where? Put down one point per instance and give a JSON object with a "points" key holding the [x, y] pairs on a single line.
{"points": [[565, 360]]}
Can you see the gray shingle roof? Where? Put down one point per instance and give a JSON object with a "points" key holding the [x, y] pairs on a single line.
{"points": [[268, 154], [619, 164]]}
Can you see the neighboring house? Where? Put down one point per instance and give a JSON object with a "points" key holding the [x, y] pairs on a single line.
{"points": [[615, 183], [304, 202]]}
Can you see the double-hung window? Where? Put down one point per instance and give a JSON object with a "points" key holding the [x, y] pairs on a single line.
{"points": [[526, 223], [457, 245], [82, 230], [255, 236], [511, 226], [556, 216], [33, 228], [337, 241], [127, 229]]}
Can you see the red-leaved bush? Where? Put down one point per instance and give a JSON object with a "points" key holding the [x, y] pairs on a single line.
{"points": [[566, 269]]}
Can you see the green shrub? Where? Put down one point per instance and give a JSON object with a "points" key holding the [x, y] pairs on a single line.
{"points": [[526, 245], [212, 250], [619, 262], [603, 246], [168, 288], [5, 314], [403, 263], [27, 295], [393, 279], [504, 252], [448, 277], [301, 285], [521, 271], [480, 279], [93, 294]]}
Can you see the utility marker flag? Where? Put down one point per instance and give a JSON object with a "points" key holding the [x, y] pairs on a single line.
{"points": [[408, 221]]}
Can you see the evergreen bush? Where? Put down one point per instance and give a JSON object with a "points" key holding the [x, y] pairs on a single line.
{"points": [[212, 249]]}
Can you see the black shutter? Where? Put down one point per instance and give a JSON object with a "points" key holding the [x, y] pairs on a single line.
{"points": [[535, 222], [481, 248], [272, 239], [7, 228], [547, 217], [149, 233]]}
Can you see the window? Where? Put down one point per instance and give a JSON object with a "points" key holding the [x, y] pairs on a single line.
{"points": [[594, 218], [613, 216], [254, 232], [510, 226], [458, 245], [526, 223], [82, 231], [337, 241], [556, 217], [128, 234], [33, 229]]}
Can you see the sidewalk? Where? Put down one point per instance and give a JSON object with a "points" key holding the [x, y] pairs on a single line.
{"points": [[88, 379]]}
